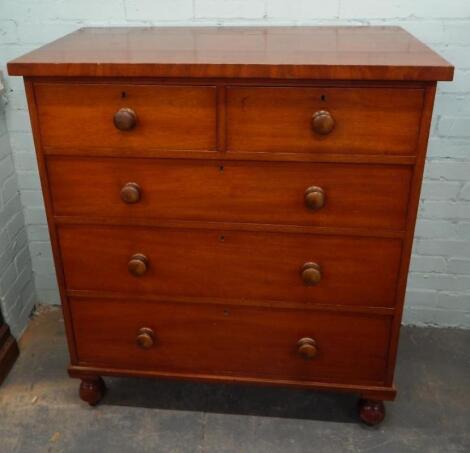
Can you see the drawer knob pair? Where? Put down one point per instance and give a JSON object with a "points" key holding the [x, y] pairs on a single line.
{"points": [[311, 274], [145, 338], [307, 348], [138, 264], [131, 193], [314, 195], [323, 122], [125, 119], [314, 198]]}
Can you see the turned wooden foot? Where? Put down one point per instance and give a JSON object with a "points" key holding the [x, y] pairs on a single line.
{"points": [[371, 412], [92, 389]]}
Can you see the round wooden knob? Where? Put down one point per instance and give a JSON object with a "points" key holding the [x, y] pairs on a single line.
{"points": [[137, 265], [311, 274], [145, 338], [322, 122], [307, 348], [130, 193], [125, 119], [314, 198]]}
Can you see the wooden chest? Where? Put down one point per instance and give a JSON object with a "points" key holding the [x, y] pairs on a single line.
{"points": [[233, 205]]}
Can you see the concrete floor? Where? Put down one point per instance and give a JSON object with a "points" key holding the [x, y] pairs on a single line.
{"points": [[40, 410]]}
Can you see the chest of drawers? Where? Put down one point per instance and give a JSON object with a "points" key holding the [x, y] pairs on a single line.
{"points": [[233, 205]]}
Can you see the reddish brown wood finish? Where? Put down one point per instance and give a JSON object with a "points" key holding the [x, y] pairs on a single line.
{"points": [[8, 350], [237, 341], [377, 392], [413, 203], [270, 193], [35, 124], [92, 389], [371, 412], [231, 264], [168, 117], [220, 212], [328, 53], [367, 120]]}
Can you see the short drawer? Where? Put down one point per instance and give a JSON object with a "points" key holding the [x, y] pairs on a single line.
{"points": [[323, 120], [236, 265], [231, 340], [337, 195], [74, 116]]}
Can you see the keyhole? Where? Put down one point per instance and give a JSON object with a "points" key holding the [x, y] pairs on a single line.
{"points": [[323, 97], [123, 94], [221, 168], [221, 238]]}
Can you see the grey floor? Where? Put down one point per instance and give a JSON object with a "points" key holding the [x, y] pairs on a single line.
{"points": [[40, 410]]}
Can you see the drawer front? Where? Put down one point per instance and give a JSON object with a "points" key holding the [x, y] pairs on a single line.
{"points": [[364, 120], [231, 340], [270, 193], [237, 265], [166, 117]]}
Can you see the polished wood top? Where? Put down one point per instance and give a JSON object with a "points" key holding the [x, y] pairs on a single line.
{"points": [[348, 53]]}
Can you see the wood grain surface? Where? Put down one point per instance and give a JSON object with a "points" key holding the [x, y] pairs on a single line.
{"points": [[247, 341], [239, 265], [367, 120], [335, 53], [180, 224], [370, 196], [168, 117]]}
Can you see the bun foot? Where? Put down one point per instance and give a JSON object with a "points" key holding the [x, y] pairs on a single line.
{"points": [[371, 412], [92, 389]]}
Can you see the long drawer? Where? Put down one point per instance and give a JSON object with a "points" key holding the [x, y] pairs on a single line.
{"points": [[237, 265], [253, 192], [231, 340], [168, 117], [323, 119]]}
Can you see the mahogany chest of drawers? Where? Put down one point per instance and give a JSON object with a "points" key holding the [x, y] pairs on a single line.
{"points": [[233, 205]]}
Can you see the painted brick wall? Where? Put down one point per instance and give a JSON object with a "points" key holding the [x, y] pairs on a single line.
{"points": [[439, 282], [17, 295]]}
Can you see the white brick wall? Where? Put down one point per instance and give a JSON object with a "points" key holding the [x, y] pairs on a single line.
{"points": [[439, 283], [17, 294]]}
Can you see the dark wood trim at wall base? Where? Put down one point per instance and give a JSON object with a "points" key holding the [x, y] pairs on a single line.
{"points": [[8, 351]]}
